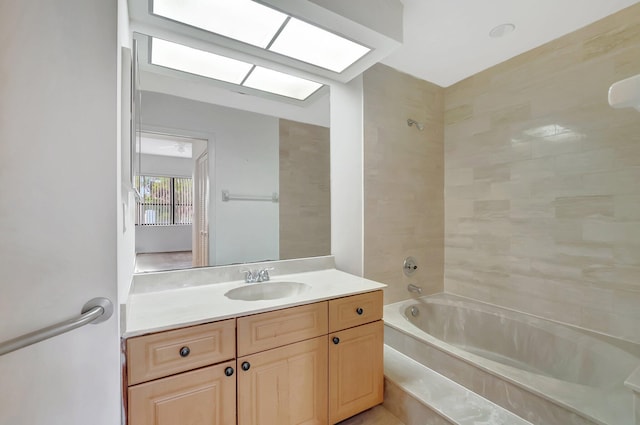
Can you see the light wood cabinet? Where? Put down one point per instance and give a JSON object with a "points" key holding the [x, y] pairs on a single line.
{"points": [[202, 397], [284, 386], [165, 353], [313, 364], [264, 331], [355, 370], [355, 310], [205, 396]]}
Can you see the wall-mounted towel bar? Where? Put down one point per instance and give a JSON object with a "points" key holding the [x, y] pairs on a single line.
{"points": [[226, 197], [94, 311]]}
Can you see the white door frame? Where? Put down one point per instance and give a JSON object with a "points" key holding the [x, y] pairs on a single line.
{"points": [[210, 151], [202, 195]]}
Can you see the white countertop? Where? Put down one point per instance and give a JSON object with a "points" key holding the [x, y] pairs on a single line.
{"points": [[174, 308]]}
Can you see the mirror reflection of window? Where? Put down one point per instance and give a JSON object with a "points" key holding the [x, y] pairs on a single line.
{"points": [[164, 201], [168, 205], [250, 155]]}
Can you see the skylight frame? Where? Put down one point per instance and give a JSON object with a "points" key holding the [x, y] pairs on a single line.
{"points": [[329, 69], [191, 50], [145, 46], [264, 45], [257, 70], [290, 23], [382, 36]]}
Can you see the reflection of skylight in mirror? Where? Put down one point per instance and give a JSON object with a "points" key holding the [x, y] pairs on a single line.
{"points": [[242, 20], [316, 46], [209, 65], [281, 83], [194, 61]]}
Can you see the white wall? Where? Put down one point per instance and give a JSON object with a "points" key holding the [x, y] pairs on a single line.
{"points": [[347, 184], [58, 209], [125, 214], [243, 158], [317, 112], [163, 238], [158, 165]]}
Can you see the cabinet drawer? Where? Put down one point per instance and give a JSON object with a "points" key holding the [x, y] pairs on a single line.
{"points": [[165, 353], [355, 310], [276, 328]]}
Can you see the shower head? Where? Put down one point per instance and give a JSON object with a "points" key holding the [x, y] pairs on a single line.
{"points": [[411, 122]]}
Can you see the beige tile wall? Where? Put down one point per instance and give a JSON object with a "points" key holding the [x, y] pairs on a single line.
{"points": [[542, 182], [305, 198], [403, 181]]}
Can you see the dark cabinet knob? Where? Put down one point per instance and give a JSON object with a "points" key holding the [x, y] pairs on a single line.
{"points": [[184, 351], [228, 371], [359, 310], [336, 340], [246, 365]]}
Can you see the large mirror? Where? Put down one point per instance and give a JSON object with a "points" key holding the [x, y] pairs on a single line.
{"points": [[227, 178]]}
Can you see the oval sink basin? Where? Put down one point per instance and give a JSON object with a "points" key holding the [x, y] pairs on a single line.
{"points": [[267, 291]]}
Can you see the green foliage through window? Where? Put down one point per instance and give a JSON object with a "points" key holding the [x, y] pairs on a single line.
{"points": [[165, 201]]}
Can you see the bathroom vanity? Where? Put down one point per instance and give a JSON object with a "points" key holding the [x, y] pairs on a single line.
{"points": [[313, 358]]}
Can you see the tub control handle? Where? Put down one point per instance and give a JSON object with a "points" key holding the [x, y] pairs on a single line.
{"points": [[184, 351], [336, 340], [409, 266], [359, 310], [246, 366]]}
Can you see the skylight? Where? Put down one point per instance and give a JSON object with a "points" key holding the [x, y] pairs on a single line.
{"points": [[280, 83], [194, 61], [264, 27], [199, 62], [316, 46], [242, 20]]}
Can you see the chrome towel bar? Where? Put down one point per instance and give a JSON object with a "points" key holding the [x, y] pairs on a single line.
{"points": [[226, 197], [94, 311]]}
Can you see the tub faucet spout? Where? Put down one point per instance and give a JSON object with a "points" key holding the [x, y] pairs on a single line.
{"points": [[414, 288]]}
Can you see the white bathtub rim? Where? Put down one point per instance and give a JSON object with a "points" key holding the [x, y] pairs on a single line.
{"points": [[629, 345], [600, 345], [486, 365], [394, 317]]}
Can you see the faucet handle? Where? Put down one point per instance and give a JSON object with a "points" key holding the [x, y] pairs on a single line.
{"points": [[249, 275], [263, 274]]}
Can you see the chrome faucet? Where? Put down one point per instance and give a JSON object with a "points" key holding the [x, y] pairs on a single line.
{"points": [[250, 276], [255, 276], [263, 274], [414, 288]]}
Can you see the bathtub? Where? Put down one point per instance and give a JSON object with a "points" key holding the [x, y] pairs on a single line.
{"points": [[543, 371]]}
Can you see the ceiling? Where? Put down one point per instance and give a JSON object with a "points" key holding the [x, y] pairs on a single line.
{"points": [[448, 41], [444, 42]]}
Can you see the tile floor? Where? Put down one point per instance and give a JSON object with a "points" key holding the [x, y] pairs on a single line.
{"points": [[375, 416], [157, 261]]}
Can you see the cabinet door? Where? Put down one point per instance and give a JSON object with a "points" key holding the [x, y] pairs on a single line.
{"points": [[284, 386], [202, 397], [355, 370]]}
